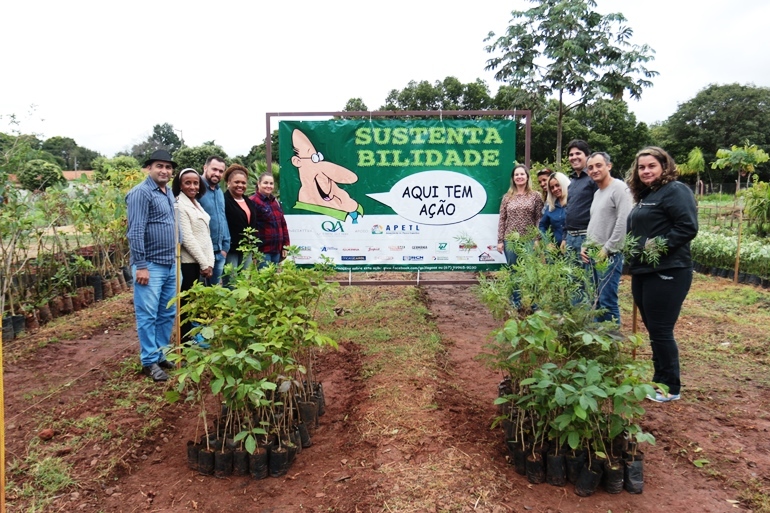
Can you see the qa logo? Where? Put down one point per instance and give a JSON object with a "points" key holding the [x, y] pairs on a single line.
{"points": [[331, 226]]}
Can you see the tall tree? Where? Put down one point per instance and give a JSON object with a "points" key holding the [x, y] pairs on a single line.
{"points": [[741, 159], [195, 156], [355, 104], [565, 48], [614, 129], [63, 147], [720, 116], [163, 137], [447, 94]]}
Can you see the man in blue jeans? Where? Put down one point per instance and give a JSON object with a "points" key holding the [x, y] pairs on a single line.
{"points": [[213, 202], [607, 228], [152, 244], [581, 195]]}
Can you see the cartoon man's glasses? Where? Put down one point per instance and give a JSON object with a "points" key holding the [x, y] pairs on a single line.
{"points": [[315, 157]]}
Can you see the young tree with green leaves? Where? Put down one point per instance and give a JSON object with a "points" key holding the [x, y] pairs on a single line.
{"points": [[742, 159], [568, 49], [694, 166]]}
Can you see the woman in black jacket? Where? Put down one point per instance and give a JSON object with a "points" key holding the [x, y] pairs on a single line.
{"points": [[665, 215], [240, 212]]}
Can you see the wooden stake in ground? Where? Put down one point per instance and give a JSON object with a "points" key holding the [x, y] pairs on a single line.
{"points": [[177, 337]]}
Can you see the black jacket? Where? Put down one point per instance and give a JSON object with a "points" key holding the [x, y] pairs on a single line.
{"points": [[669, 212], [236, 220]]}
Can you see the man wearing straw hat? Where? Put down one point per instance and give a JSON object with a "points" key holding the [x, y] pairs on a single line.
{"points": [[152, 244]]}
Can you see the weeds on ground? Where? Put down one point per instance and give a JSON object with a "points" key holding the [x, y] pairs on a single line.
{"points": [[44, 472]]}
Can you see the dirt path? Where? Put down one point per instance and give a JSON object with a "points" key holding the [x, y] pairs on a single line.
{"points": [[344, 473]]}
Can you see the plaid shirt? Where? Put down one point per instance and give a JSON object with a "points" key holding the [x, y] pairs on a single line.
{"points": [[272, 224]]}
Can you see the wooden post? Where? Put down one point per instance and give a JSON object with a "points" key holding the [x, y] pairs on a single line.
{"points": [[178, 262], [634, 325], [738, 250]]}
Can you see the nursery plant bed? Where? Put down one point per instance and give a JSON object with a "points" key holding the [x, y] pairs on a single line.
{"points": [[459, 464]]}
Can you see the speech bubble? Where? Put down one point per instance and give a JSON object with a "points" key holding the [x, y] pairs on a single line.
{"points": [[435, 197]]}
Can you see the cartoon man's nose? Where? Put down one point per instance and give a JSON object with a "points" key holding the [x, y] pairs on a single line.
{"points": [[337, 173]]}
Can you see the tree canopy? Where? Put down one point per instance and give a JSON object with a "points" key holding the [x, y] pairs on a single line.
{"points": [[570, 50], [163, 137], [447, 94], [720, 116], [195, 156]]}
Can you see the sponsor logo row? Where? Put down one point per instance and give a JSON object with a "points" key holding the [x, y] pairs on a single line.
{"points": [[440, 247], [484, 257]]}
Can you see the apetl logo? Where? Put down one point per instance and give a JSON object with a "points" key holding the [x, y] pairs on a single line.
{"points": [[331, 226], [402, 228], [328, 248], [377, 229], [442, 246]]}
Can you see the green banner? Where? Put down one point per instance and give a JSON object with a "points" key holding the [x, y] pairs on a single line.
{"points": [[372, 183]]}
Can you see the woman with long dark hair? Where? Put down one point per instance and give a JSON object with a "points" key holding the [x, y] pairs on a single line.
{"points": [[665, 220]]}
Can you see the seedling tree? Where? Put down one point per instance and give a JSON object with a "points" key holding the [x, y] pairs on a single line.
{"points": [[573, 382], [263, 335]]}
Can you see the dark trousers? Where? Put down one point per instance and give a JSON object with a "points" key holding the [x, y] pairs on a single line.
{"points": [[659, 296], [190, 273]]}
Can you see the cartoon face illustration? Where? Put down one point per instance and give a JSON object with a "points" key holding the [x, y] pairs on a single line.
{"points": [[319, 190]]}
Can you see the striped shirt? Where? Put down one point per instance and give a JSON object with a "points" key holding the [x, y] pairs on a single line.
{"points": [[150, 224]]}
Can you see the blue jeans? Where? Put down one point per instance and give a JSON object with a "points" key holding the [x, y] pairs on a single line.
{"points": [[659, 296], [155, 321], [235, 259], [511, 258], [607, 284], [216, 271], [270, 258], [574, 243]]}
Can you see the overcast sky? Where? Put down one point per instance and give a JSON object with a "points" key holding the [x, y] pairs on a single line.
{"points": [[103, 73]]}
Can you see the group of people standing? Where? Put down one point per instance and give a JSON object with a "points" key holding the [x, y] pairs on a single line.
{"points": [[211, 224], [591, 208]]}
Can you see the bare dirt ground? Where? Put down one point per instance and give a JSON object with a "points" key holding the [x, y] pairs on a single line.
{"points": [[722, 417]]}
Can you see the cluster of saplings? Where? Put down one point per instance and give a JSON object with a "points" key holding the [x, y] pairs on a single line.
{"points": [[572, 391], [257, 376]]}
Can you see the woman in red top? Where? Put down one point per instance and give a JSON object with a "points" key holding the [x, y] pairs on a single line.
{"points": [[240, 212], [272, 224]]}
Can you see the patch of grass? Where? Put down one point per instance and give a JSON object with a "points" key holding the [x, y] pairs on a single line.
{"points": [[39, 478], [756, 496], [44, 477]]}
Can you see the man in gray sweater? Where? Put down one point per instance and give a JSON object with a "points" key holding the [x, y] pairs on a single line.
{"points": [[607, 229]]}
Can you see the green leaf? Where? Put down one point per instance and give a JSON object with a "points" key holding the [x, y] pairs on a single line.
{"points": [[574, 440], [700, 463], [559, 396], [250, 444], [216, 385]]}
